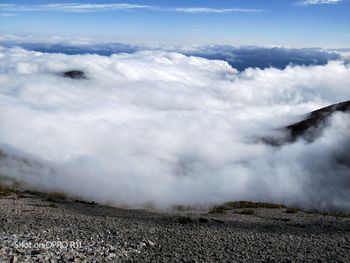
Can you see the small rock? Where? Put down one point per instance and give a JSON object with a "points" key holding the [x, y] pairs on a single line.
{"points": [[13, 259], [203, 220], [35, 252], [149, 243], [112, 255], [74, 74], [69, 256]]}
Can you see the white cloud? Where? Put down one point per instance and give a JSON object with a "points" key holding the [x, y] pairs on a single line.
{"points": [[71, 7], [83, 8], [7, 14], [163, 128], [75, 7], [196, 10], [320, 2]]}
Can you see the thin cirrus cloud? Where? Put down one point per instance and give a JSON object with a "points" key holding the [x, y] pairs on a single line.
{"points": [[320, 2], [84, 8], [6, 14], [214, 10]]}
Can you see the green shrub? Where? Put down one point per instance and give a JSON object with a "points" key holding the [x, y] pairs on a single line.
{"points": [[292, 210]]}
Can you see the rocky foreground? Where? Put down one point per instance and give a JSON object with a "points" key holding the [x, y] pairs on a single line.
{"points": [[40, 228]]}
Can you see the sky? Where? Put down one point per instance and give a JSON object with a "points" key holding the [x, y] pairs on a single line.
{"points": [[288, 23], [176, 124]]}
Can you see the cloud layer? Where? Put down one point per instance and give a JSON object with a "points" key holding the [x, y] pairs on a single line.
{"points": [[163, 128], [321, 2], [87, 8]]}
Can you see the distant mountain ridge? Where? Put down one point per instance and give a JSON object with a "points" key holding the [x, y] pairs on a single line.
{"points": [[239, 58]]}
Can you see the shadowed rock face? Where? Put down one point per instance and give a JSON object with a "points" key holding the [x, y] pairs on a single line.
{"points": [[310, 128], [74, 74], [315, 119]]}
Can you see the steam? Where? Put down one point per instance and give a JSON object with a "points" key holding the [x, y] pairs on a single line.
{"points": [[164, 128]]}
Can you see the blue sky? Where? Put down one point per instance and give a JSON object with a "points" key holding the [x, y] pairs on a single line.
{"points": [[293, 23]]}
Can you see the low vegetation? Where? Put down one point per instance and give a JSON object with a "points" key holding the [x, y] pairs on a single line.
{"points": [[221, 209], [245, 212], [184, 220], [337, 214], [84, 202], [6, 190], [292, 210], [218, 210]]}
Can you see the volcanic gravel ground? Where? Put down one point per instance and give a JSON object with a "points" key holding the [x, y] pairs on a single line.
{"points": [[31, 226]]}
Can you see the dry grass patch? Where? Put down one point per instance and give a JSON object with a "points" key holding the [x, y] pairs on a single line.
{"points": [[292, 210], [221, 209], [245, 212], [6, 190]]}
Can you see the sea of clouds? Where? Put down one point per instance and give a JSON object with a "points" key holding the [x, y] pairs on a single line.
{"points": [[162, 128]]}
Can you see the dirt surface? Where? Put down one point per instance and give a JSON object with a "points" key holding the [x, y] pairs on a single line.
{"points": [[31, 227]]}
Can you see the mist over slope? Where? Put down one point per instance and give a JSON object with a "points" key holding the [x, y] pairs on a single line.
{"points": [[164, 128]]}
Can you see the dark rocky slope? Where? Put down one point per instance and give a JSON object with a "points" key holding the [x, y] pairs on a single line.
{"points": [[310, 128], [315, 119]]}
